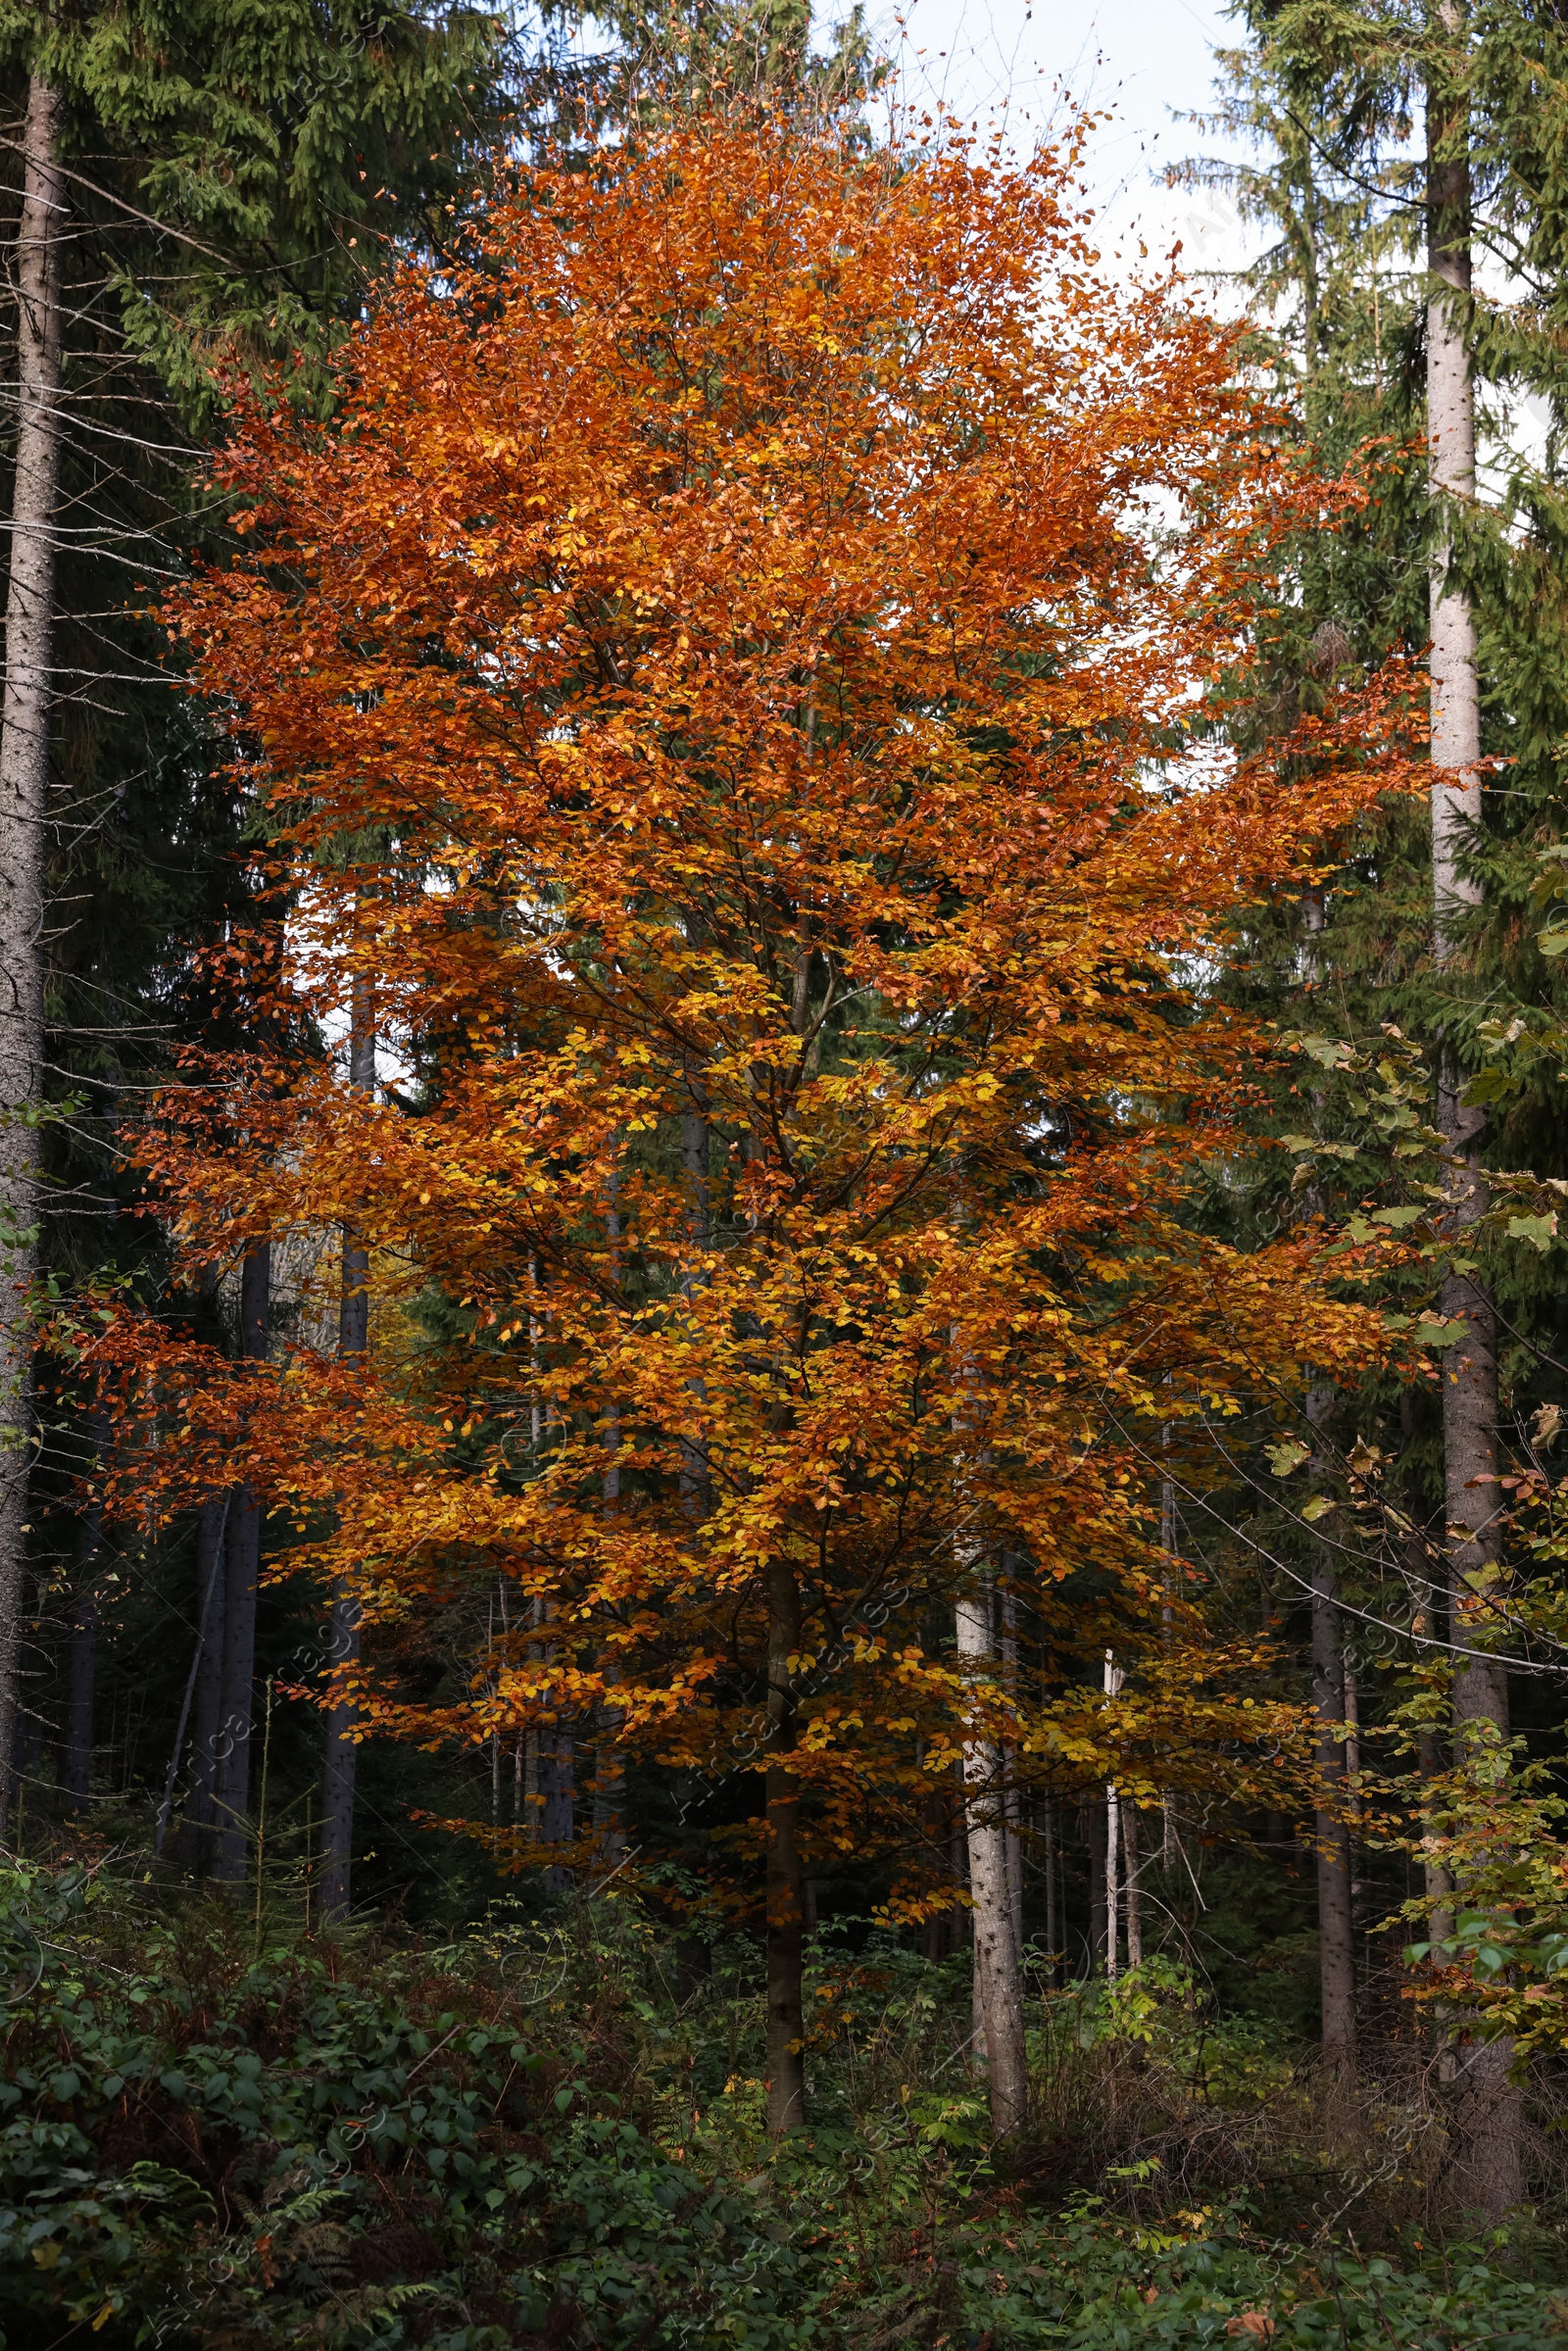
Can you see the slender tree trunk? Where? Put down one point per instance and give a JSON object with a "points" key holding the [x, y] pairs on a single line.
{"points": [[609, 1795], [610, 1768], [353, 1341], [24, 810], [1133, 1893], [999, 1997], [1489, 2177], [1053, 1910], [785, 2063], [241, 1586], [1094, 1820], [1114, 1678], [1012, 1812], [558, 1790], [1334, 1939], [198, 1838], [81, 1662], [1335, 1947], [695, 1150], [1167, 1545]]}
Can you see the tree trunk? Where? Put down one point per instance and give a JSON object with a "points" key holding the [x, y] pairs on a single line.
{"points": [[1487, 2171], [198, 1838], [558, 1790], [1093, 1822], [352, 1344], [1335, 1940], [23, 808], [1113, 1883], [1053, 1933], [241, 1586], [1133, 1890], [1335, 1947], [610, 1768], [696, 1153], [998, 1998], [1012, 1810], [785, 2064], [83, 1658]]}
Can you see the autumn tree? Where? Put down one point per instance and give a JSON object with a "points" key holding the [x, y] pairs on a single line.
{"points": [[723, 689]]}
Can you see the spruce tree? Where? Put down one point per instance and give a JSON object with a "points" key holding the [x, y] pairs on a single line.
{"points": [[190, 186]]}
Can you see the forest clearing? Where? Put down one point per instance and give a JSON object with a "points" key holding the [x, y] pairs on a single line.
{"points": [[782, 1132]]}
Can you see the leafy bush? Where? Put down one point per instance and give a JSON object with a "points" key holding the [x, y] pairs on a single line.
{"points": [[1086, 2282], [228, 2139], [247, 2149]]}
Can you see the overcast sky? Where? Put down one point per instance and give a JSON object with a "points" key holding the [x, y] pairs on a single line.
{"points": [[1143, 61]]}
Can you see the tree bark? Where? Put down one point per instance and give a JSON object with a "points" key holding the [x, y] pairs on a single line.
{"points": [[1053, 1936], [1012, 1811], [785, 2063], [198, 1842], [242, 1584], [83, 1659], [1133, 1892], [1335, 1937], [696, 1153], [353, 1341], [1488, 2174], [609, 1766], [25, 715], [998, 1998], [1336, 1947], [1094, 1825], [559, 1796]]}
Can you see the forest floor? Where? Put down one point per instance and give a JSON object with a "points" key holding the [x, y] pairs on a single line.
{"points": [[221, 2130]]}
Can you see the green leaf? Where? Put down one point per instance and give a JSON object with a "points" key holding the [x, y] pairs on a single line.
{"points": [[1540, 1231], [1486, 1086], [1329, 1053], [1318, 1508], [1435, 1330], [1287, 1456]]}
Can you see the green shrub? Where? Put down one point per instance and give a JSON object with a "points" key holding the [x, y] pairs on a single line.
{"points": [[243, 2150]]}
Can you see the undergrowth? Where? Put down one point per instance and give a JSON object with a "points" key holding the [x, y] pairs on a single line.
{"points": [[220, 2133]]}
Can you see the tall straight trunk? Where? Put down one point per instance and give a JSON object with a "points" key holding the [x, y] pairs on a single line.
{"points": [[610, 1768], [198, 1848], [1112, 1684], [1131, 1890], [1012, 1811], [1167, 1545], [82, 1663], [1334, 1939], [696, 1151], [998, 1992], [1112, 1881], [1053, 1911], [784, 2068], [1093, 1826], [352, 1344], [24, 810], [558, 1794], [1489, 2177], [610, 1793], [242, 1584], [1335, 1947]]}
